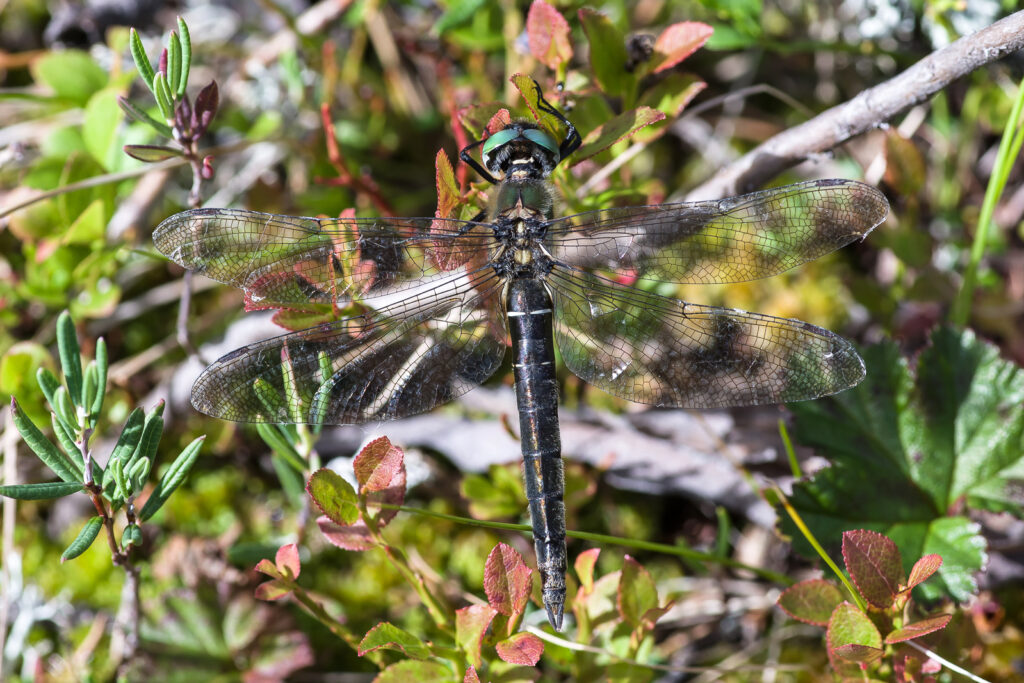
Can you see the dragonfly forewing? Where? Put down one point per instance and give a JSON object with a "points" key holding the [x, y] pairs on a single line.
{"points": [[665, 352], [729, 240]]}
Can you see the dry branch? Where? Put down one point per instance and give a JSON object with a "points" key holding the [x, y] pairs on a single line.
{"points": [[867, 110]]}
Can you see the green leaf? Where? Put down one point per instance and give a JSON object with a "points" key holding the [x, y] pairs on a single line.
{"points": [[637, 592], [132, 535], [958, 541], [137, 114], [100, 127], [849, 626], [282, 447], [811, 601], [415, 670], [129, 438], [907, 449], [101, 379], [141, 60], [172, 479], [608, 55], [186, 56], [618, 128], [19, 363], [471, 624], [70, 357], [151, 154], [385, 636], [45, 491], [173, 65], [65, 437], [84, 539], [72, 74], [48, 382], [163, 96], [152, 430], [89, 227], [334, 496], [89, 385], [137, 474], [59, 462]]}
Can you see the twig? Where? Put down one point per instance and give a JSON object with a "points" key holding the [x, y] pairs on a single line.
{"points": [[867, 110]]}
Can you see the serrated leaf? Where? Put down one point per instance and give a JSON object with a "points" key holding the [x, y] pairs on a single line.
{"points": [[389, 637], [811, 601], [44, 491], [918, 629], [637, 592], [421, 671], [172, 479], [958, 541], [380, 471], [58, 461], [448, 197], [334, 496], [907, 449], [507, 580], [923, 569], [548, 34], [522, 648], [471, 624], [849, 626], [618, 128], [84, 539], [607, 54], [355, 537], [874, 563]]}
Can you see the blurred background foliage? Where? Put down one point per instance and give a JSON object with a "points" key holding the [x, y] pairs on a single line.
{"points": [[392, 76]]}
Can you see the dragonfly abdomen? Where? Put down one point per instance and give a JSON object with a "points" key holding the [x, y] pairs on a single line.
{"points": [[528, 306]]}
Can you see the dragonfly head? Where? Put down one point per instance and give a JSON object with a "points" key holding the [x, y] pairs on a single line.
{"points": [[520, 150]]}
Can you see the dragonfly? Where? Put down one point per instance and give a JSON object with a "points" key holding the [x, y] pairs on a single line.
{"points": [[440, 301]]}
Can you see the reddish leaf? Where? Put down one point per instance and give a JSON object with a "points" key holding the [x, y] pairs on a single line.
{"points": [[918, 629], [522, 648], [377, 464], [874, 564], [354, 537], [923, 569], [287, 560], [636, 593], [651, 616], [470, 625], [272, 590], [528, 89], [584, 566], [334, 496], [548, 33], [811, 601], [677, 42], [618, 128], [448, 197], [862, 654], [267, 567], [389, 637], [507, 580], [471, 676]]}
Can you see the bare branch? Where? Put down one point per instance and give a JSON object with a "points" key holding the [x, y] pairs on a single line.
{"points": [[867, 110]]}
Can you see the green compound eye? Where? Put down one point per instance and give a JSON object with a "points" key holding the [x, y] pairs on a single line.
{"points": [[498, 139], [542, 139]]}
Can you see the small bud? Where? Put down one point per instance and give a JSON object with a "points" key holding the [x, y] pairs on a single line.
{"points": [[207, 172], [162, 67]]}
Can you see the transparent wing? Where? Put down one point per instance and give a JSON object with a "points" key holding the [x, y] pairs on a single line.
{"points": [[664, 352], [283, 260], [393, 362], [730, 240]]}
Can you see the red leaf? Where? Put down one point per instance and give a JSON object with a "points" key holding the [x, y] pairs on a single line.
{"points": [[470, 625], [267, 567], [355, 537], [499, 121], [679, 41], [471, 676], [287, 560], [584, 567], [272, 590], [811, 601], [522, 648], [507, 580], [377, 464], [548, 33], [862, 654], [923, 569], [918, 629], [874, 564]]}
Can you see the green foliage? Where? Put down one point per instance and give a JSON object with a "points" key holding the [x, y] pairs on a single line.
{"points": [[908, 448]]}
